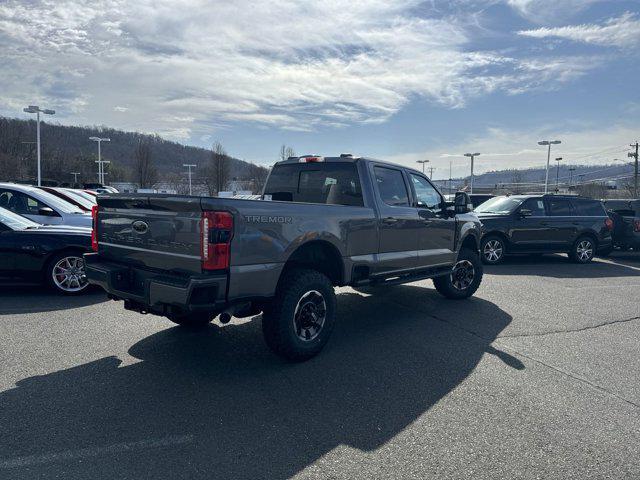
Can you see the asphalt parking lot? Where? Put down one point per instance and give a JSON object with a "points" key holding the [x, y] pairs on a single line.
{"points": [[535, 377]]}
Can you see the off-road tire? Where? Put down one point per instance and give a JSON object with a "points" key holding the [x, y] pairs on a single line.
{"points": [[279, 321], [445, 284]]}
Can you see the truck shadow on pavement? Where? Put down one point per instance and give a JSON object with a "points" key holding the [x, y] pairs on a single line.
{"points": [[559, 266], [233, 409], [17, 300]]}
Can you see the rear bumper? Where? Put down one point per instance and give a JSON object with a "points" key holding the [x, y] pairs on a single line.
{"points": [[149, 291]]}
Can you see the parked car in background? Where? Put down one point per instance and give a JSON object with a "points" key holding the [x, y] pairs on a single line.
{"points": [[84, 194], [41, 207], [31, 253], [64, 193], [626, 223], [544, 224]]}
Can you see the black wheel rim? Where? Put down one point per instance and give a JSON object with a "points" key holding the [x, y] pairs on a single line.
{"points": [[462, 275], [310, 315]]}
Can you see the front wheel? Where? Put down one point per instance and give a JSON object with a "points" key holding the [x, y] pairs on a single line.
{"points": [[464, 279], [298, 322], [492, 249], [583, 250]]}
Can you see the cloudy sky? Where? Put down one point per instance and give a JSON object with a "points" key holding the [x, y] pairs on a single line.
{"points": [[394, 79]]}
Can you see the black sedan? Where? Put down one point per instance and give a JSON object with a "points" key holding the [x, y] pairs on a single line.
{"points": [[31, 253]]}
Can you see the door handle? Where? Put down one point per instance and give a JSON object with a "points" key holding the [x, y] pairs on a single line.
{"points": [[389, 220]]}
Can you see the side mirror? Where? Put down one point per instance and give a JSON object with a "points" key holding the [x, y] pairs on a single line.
{"points": [[47, 212], [462, 203], [525, 212]]}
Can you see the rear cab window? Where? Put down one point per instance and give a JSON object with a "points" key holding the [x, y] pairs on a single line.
{"points": [[326, 183]]}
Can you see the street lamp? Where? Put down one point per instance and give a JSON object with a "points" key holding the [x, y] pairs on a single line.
{"points": [[100, 162], [422, 162], [101, 172], [189, 167], [548, 144], [37, 110], [472, 156], [571, 170], [558, 159], [75, 177]]}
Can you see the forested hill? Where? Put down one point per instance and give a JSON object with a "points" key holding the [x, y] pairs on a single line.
{"points": [[67, 149]]}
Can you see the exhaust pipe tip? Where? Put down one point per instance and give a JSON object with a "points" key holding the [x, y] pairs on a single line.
{"points": [[225, 318]]}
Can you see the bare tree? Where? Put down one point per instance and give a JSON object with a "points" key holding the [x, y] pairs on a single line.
{"points": [[145, 171], [286, 152], [517, 178], [216, 172]]}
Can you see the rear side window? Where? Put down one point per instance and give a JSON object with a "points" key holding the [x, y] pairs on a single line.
{"points": [[390, 183], [328, 183], [559, 207], [588, 208]]}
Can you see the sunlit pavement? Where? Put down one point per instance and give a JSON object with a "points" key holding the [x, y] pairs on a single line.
{"points": [[535, 377]]}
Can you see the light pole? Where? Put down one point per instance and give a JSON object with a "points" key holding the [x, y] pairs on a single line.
{"points": [[571, 170], [189, 167], [101, 172], [558, 159], [548, 144], [100, 162], [450, 181], [422, 162], [431, 169], [37, 110], [472, 156], [75, 177]]}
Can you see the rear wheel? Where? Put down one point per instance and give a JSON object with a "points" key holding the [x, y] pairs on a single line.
{"points": [[583, 250], [492, 249], [464, 279], [298, 322], [192, 320], [65, 273]]}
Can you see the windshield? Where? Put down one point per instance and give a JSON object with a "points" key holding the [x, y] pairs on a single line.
{"points": [[499, 205], [14, 221], [86, 203]]}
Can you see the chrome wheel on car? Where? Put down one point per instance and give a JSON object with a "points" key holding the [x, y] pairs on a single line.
{"points": [[309, 315], [493, 251], [462, 275], [584, 250], [68, 274]]}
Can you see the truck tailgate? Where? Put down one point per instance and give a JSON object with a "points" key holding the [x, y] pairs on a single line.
{"points": [[158, 232]]}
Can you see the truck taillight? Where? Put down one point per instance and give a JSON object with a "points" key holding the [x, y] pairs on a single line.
{"points": [[608, 223], [310, 159], [217, 230], [636, 225], [94, 228]]}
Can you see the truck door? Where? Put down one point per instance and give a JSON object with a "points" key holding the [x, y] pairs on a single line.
{"points": [[398, 223], [436, 236]]}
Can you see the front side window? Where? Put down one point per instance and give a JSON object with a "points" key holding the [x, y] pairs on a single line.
{"points": [[393, 190], [426, 195], [559, 207], [535, 206], [20, 203]]}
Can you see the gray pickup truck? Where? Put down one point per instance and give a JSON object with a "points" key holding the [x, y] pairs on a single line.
{"points": [[321, 222]]}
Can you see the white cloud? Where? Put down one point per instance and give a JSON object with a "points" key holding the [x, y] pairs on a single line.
{"points": [[623, 31], [502, 148], [549, 11], [186, 67]]}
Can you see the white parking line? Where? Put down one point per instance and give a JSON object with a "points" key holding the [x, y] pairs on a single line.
{"points": [[94, 451]]}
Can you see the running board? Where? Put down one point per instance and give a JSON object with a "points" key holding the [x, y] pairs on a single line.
{"points": [[403, 278]]}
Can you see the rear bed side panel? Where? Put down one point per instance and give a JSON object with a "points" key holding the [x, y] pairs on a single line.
{"points": [[267, 233]]}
